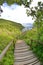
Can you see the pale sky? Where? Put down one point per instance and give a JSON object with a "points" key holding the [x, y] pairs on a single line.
{"points": [[17, 13]]}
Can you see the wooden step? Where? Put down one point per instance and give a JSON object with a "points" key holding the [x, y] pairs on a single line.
{"points": [[24, 57], [21, 44], [22, 47], [23, 54], [33, 63], [38, 63], [19, 51], [27, 62]]}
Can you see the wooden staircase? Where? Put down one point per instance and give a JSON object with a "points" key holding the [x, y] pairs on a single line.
{"points": [[24, 55]]}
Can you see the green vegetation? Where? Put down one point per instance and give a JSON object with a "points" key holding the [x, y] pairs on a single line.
{"points": [[36, 46], [13, 1], [9, 57], [8, 30], [34, 37], [4, 40]]}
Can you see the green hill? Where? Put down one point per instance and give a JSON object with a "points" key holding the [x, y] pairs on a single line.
{"points": [[8, 30]]}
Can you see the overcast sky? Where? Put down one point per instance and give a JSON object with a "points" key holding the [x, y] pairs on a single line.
{"points": [[17, 13]]}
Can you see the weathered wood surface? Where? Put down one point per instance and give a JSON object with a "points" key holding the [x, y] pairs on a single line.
{"points": [[24, 55]]}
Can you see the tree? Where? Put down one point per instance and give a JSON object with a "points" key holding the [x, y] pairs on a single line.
{"points": [[1, 10], [37, 14], [13, 1]]}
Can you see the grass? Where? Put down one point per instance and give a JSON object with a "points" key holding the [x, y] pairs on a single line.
{"points": [[8, 30], [36, 47], [38, 50], [4, 40], [9, 57]]}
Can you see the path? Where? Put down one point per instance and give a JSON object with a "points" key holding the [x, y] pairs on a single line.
{"points": [[24, 55]]}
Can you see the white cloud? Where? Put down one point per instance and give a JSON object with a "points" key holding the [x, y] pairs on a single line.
{"points": [[34, 3], [16, 13]]}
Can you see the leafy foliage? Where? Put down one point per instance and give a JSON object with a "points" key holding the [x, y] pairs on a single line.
{"points": [[1, 2], [9, 57], [35, 46], [36, 33], [25, 2], [13, 1], [10, 1]]}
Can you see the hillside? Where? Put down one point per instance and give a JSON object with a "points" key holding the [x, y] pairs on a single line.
{"points": [[8, 30], [10, 23]]}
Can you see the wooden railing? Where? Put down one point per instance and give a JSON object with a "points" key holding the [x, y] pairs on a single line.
{"points": [[5, 50]]}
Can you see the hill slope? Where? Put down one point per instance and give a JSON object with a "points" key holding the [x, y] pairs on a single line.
{"points": [[8, 31], [9, 27]]}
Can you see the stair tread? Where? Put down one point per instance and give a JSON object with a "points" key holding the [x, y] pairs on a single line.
{"points": [[28, 61], [24, 55], [22, 47], [21, 50]]}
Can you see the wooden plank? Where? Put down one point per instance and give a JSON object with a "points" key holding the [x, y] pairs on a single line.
{"points": [[24, 58]]}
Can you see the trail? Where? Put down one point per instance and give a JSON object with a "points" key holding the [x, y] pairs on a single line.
{"points": [[23, 54]]}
